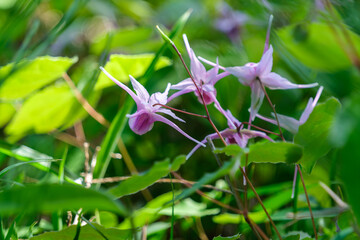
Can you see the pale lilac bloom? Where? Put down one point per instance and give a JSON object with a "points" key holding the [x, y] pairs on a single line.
{"points": [[292, 124], [205, 80], [235, 134], [230, 21], [253, 74], [146, 114]]}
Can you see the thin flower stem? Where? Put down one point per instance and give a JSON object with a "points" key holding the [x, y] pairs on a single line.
{"points": [[238, 200], [181, 111], [261, 203], [298, 166], [273, 108], [261, 129], [227, 179], [131, 166], [200, 93], [258, 229], [308, 201]]}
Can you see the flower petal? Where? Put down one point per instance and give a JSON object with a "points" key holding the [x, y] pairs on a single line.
{"points": [[211, 136], [246, 74], [183, 84], [289, 123], [173, 125], [210, 63], [253, 134], [140, 90], [141, 123], [219, 76], [230, 119], [170, 113], [265, 65], [123, 86], [257, 97], [266, 47], [275, 81], [160, 97], [181, 92], [310, 106], [197, 69]]}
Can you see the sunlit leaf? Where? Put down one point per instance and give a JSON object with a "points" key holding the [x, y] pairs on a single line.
{"points": [[232, 218], [86, 232], [313, 135], [122, 38], [32, 75], [53, 197], [7, 111], [121, 66], [45, 111], [140, 182]]}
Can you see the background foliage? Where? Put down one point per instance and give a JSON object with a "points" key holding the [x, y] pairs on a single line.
{"points": [[50, 81]]}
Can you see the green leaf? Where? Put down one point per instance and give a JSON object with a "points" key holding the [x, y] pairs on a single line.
{"points": [[208, 178], [45, 111], [148, 213], [8, 168], [7, 110], [316, 45], [139, 182], [296, 235], [53, 197], [189, 208], [287, 214], [349, 169], [5, 4], [229, 150], [121, 66], [26, 154], [235, 237], [273, 152], [32, 75], [231, 218], [313, 135], [87, 232], [122, 38]]}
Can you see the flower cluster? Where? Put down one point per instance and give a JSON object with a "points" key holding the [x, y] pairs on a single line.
{"points": [[201, 82]]}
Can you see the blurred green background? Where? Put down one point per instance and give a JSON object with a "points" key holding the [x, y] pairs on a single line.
{"points": [[40, 40]]}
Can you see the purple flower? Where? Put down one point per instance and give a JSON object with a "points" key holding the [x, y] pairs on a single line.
{"points": [[235, 134], [147, 111], [205, 80], [255, 74], [292, 124], [230, 21]]}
